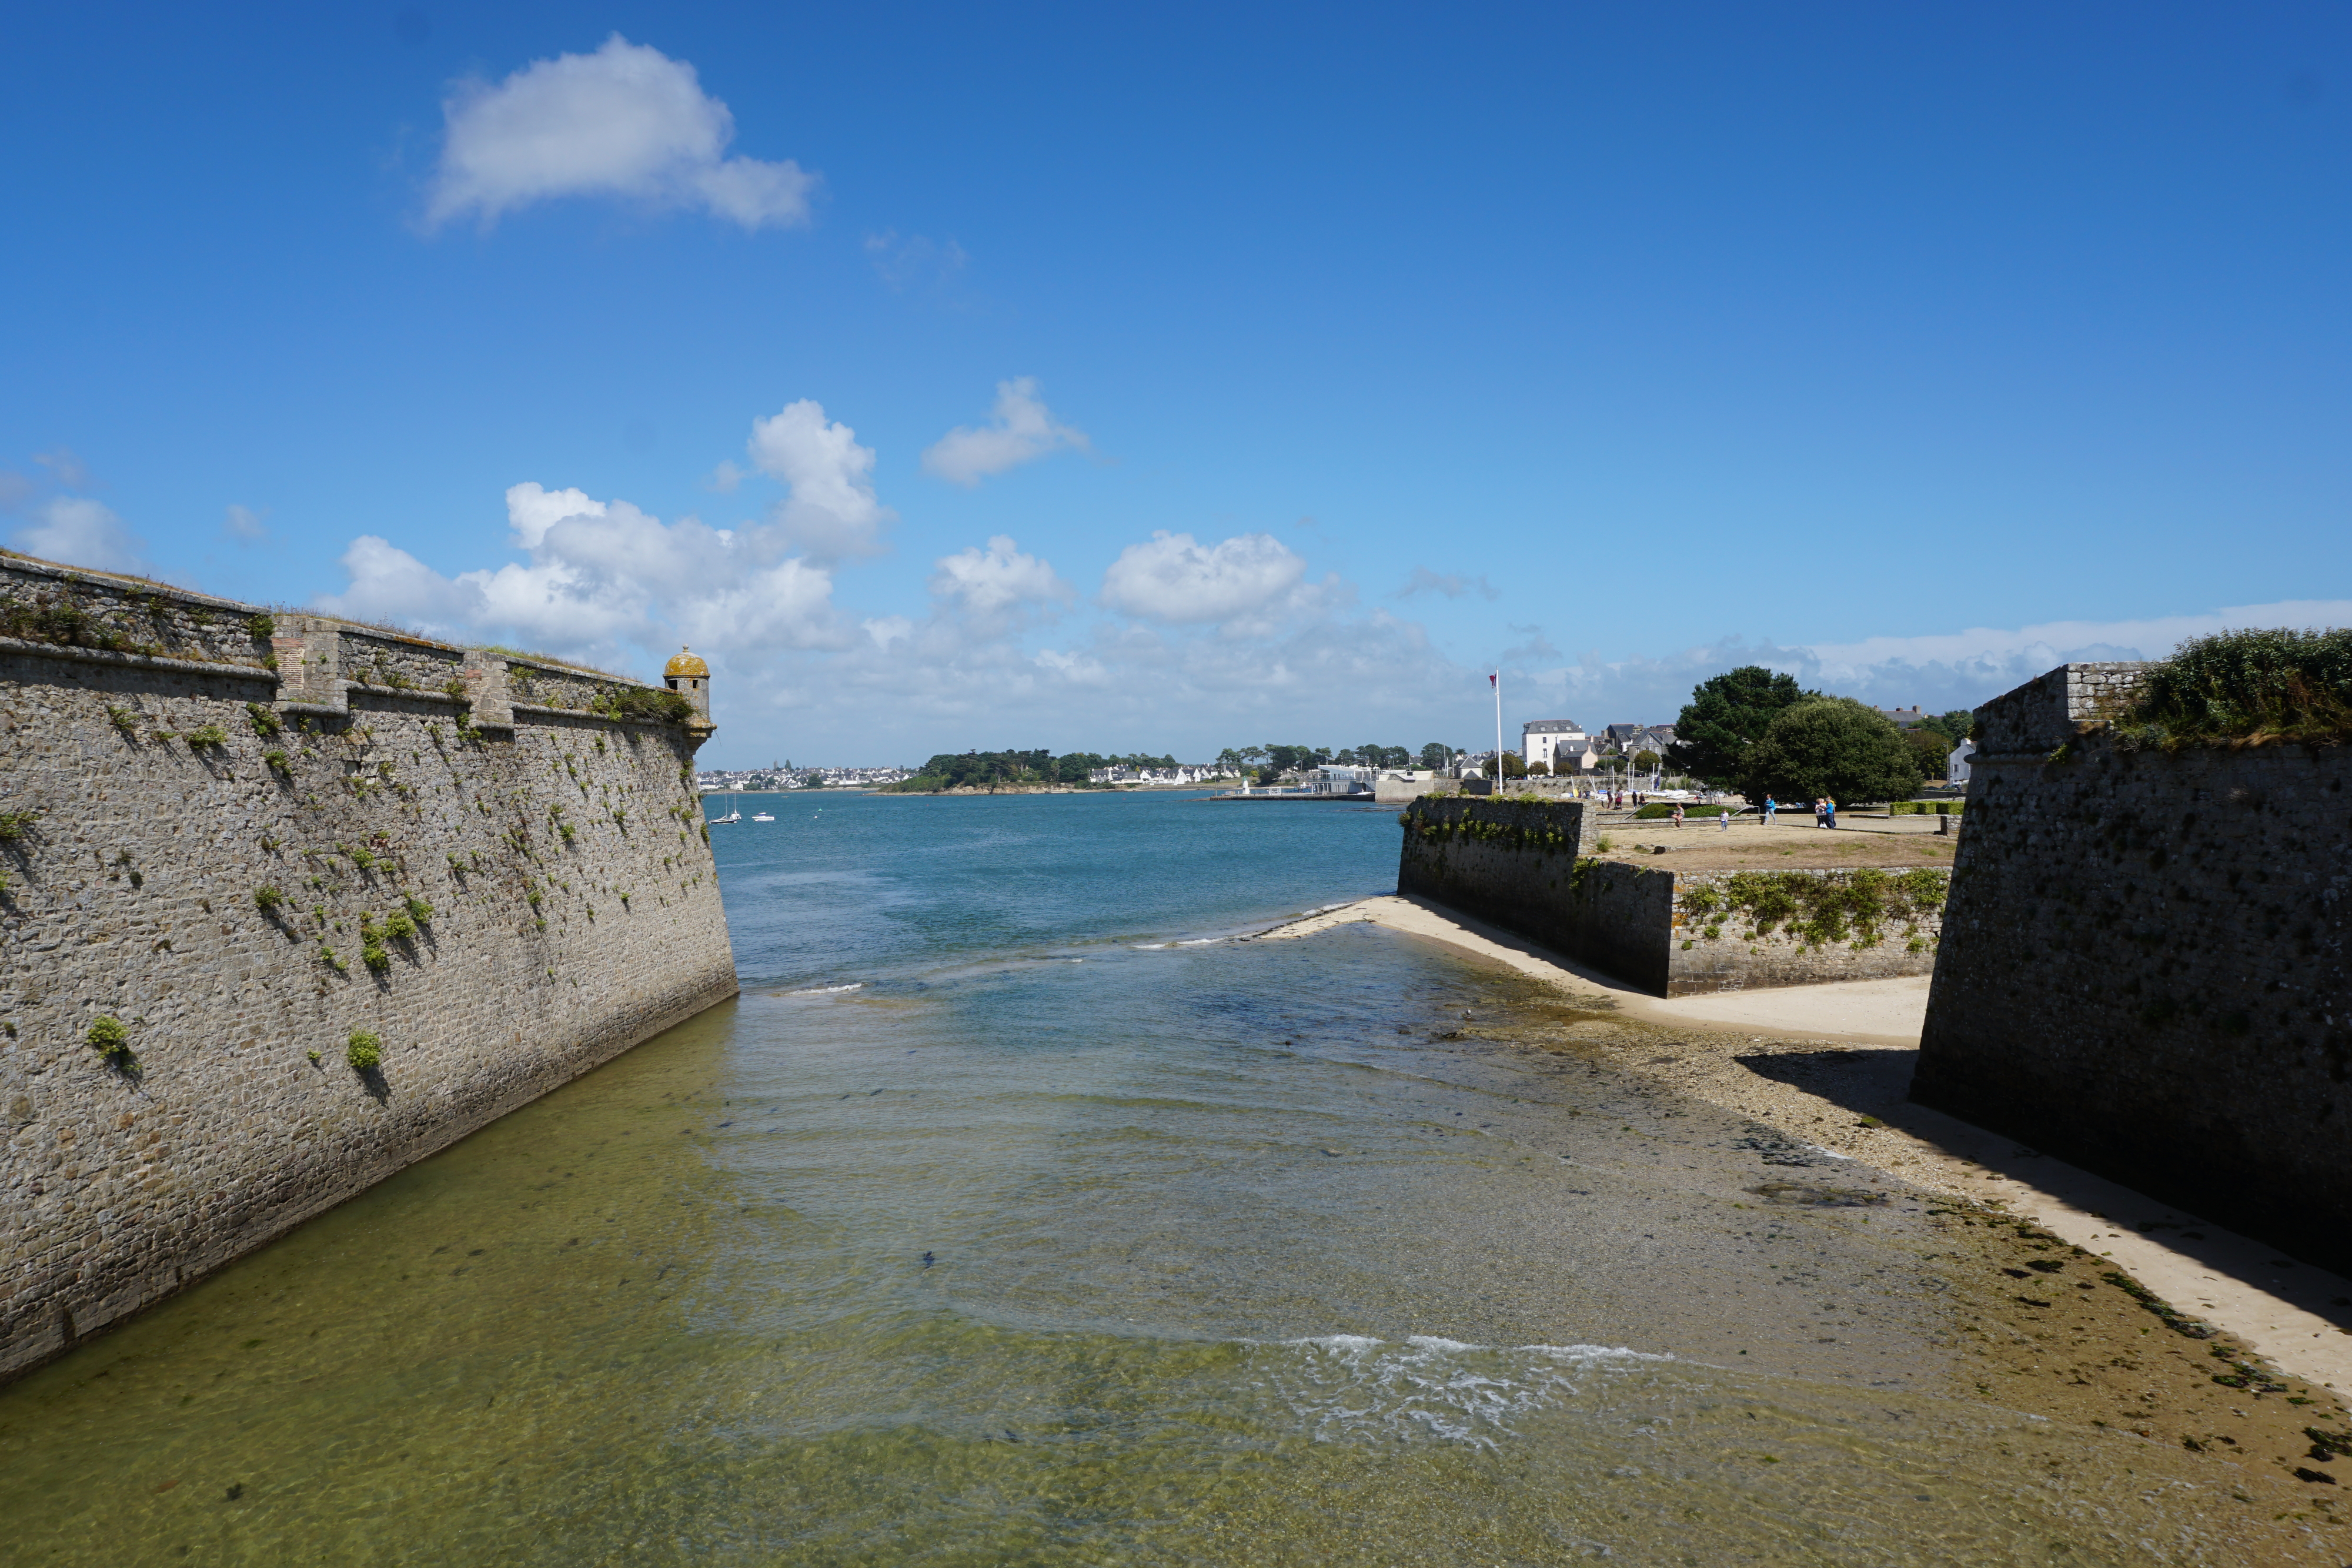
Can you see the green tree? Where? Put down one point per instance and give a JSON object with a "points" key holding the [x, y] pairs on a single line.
{"points": [[1645, 761], [1835, 747], [1512, 766], [1437, 755], [1727, 715], [1954, 727], [1930, 746]]}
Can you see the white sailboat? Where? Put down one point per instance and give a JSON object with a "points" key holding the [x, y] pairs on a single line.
{"points": [[762, 817], [734, 816]]}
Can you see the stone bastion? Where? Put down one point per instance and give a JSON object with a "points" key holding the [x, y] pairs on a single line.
{"points": [[290, 902], [2144, 968], [1520, 863]]}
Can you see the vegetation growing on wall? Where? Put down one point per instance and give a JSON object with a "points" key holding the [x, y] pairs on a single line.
{"points": [[2246, 687], [1821, 908], [1531, 825]]}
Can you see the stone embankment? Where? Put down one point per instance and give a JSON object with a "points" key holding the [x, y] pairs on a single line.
{"points": [[2144, 969], [291, 903], [1526, 864]]}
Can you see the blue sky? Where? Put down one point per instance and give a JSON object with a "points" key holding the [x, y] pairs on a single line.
{"points": [[1913, 349]]}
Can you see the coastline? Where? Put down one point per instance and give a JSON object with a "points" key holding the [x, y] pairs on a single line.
{"points": [[1757, 1053], [2070, 1298]]}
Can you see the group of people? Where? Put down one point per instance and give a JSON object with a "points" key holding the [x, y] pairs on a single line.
{"points": [[1825, 812]]}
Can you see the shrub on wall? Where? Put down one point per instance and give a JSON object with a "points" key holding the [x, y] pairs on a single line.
{"points": [[111, 1039], [364, 1051], [2249, 686]]}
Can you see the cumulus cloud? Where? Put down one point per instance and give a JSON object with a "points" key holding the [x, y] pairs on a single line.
{"points": [[998, 580], [243, 524], [1452, 585], [626, 122], [605, 578], [532, 509], [831, 512], [1173, 577], [1022, 430], [82, 532]]}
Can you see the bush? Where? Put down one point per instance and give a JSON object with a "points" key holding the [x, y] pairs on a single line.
{"points": [[205, 737], [644, 703], [418, 910], [110, 1039], [400, 927], [364, 1051], [265, 722], [1830, 745], [2247, 686], [268, 899], [262, 627]]}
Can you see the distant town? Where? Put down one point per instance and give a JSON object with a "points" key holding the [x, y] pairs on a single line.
{"points": [[1633, 755]]}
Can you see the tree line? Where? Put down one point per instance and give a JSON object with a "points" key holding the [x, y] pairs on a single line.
{"points": [[1757, 732]]}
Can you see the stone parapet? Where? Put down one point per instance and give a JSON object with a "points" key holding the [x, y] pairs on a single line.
{"points": [[244, 864]]}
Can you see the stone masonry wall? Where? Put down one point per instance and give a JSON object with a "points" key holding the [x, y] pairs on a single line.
{"points": [[1514, 862], [2145, 970], [573, 912]]}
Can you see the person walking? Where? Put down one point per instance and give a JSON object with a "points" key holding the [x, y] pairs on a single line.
{"points": [[1726, 819], [1678, 813], [1821, 818], [1770, 807], [1828, 811]]}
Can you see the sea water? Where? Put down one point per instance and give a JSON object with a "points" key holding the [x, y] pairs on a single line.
{"points": [[1020, 1212]]}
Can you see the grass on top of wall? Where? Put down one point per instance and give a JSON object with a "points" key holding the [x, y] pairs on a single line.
{"points": [[2246, 687]]}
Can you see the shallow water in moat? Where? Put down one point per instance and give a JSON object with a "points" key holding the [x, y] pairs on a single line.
{"points": [[1016, 1215]]}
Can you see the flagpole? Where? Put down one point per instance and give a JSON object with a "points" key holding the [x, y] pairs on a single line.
{"points": [[1496, 680]]}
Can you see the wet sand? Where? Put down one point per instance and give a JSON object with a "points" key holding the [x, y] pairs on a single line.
{"points": [[2071, 1298]]}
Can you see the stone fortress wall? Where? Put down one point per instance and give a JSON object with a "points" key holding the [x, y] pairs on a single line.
{"points": [[245, 837], [2144, 965], [1516, 862]]}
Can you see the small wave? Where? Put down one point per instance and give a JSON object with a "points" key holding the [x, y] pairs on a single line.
{"points": [[1352, 1387], [1150, 946], [1199, 940], [827, 990]]}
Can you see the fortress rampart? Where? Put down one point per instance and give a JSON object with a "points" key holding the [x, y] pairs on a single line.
{"points": [[2144, 965], [1517, 862], [244, 839]]}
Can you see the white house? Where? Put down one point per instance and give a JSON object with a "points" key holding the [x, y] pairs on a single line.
{"points": [[1546, 739], [1955, 766]]}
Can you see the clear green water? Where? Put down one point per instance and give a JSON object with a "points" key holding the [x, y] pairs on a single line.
{"points": [[1073, 1234]]}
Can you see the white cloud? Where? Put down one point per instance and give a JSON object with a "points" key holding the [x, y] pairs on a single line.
{"points": [[531, 511], [999, 578], [832, 511], [626, 121], [82, 532], [1023, 430], [726, 479], [603, 578], [1173, 578], [243, 524], [887, 629]]}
